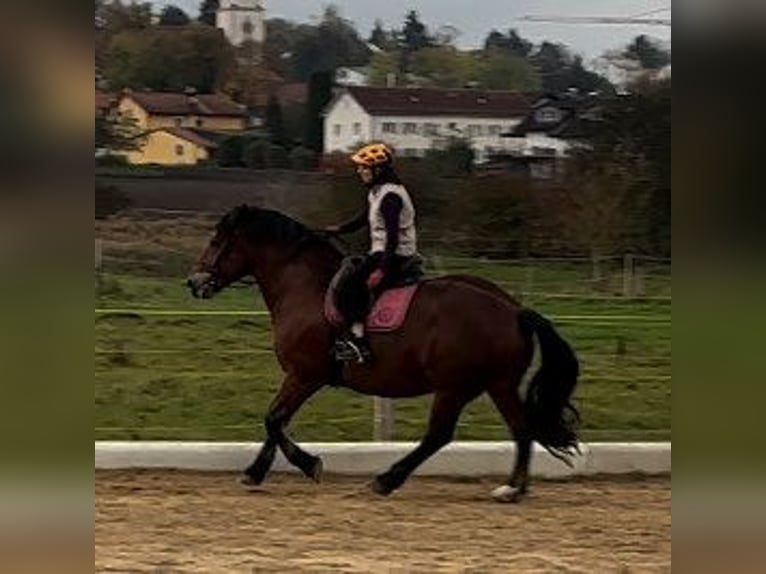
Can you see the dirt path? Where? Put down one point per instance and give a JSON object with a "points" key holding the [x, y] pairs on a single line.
{"points": [[188, 522]]}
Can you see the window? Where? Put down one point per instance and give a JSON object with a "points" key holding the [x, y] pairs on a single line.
{"points": [[548, 115], [452, 126], [389, 128], [357, 129], [543, 151], [494, 130], [178, 122], [430, 129], [410, 128], [179, 149], [200, 122], [336, 129], [475, 130]]}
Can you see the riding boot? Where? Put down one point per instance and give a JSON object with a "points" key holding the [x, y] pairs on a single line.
{"points": [[353, 346]]}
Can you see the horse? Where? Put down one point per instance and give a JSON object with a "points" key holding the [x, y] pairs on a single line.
{"points": [[463, 336]]}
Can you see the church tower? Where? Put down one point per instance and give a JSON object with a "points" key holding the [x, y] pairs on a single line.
{"points": [[242, 20]]}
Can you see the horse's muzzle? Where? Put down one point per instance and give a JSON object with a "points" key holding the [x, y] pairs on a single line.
{"points": [[202, 285]]}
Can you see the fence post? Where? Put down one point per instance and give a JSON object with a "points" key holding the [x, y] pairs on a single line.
{"points": [[529, 278], [627, 275], [99, 254], [99, 264], [595, 269], [383, 419]]}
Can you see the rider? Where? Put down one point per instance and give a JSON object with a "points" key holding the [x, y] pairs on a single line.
{"points": [[390, 216]]}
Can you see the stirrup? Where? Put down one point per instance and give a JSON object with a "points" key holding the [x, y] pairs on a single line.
{"points": [[347, 350]]}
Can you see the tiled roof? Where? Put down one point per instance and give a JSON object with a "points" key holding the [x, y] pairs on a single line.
{"points": [[579, 116], [104, 100], [295, 92], [441, 102], [175, 104], [200, 138]]}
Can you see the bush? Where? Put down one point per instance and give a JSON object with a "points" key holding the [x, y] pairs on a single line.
{"points": [[456, 160], [277, 157], [229, 152], [109, 200], [110, 160], [255, 154], [302, 159]]}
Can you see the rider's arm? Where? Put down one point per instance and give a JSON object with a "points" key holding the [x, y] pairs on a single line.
{"points": [[352, 225], [391, 207]]}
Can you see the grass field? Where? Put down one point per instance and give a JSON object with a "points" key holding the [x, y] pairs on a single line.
{"points": [[212, 376]]}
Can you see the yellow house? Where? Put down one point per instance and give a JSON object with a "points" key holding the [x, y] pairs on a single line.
{"points": [[180, 129]]}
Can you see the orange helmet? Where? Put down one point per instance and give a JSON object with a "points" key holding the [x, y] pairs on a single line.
{"points": [[373, 155]]}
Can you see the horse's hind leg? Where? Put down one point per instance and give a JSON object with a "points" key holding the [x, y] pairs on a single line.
{"points": [[445, 411], [506, 397]]}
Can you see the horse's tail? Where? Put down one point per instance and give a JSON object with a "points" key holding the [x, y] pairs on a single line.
{"points": [[552, 417]]}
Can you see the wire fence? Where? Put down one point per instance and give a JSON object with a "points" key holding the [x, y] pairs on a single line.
{"points": [[169, 367]]}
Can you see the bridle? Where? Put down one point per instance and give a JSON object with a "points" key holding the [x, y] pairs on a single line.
{"points": [[215, 267]]}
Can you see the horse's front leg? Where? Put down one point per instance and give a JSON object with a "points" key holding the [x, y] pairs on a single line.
{"points": [[290, 398]]}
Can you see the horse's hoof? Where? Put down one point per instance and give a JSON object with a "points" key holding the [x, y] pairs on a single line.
{"points": [[506, 493], [379, 488], [247, 480], [316, 470]]}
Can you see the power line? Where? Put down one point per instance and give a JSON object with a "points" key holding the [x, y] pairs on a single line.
{"points": [[651, 12], [609, 20]]}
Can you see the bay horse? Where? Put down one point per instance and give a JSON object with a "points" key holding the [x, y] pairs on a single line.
{"points": [[463, 336]]}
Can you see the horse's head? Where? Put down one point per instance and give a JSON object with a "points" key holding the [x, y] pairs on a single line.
{"points": [[224, 260]]}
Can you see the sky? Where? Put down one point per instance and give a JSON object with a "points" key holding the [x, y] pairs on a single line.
{"points": [[475, 18]]}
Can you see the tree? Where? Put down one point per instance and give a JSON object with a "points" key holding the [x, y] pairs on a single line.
{"points": [[207, 12], [647, 53], [604, 200], [444, 66], [173, 16], [282, 37], [379, 37], [414, 37], [169, 60], [320, 93], [446, 35], [274, 123], [640, 124], [512, 43], [414, 34], [560, 71], [117, 133], [334, 43], [117, 17], [617, 189], [502, 70], [383, 66]]}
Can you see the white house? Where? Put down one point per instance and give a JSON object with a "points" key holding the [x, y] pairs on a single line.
{"points": [[346, 76], [555, 124], [414, 120], [241, 20], [552, 128]]}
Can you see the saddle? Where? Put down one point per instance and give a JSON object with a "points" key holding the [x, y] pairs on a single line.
{"points": [[389, 310]]}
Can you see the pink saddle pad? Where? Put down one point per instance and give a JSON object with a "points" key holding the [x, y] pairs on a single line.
{"points": [[388, 313]]}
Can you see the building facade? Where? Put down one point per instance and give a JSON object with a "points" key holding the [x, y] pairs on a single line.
{"points": [[180, 129], [242, 21], [414, 120]]}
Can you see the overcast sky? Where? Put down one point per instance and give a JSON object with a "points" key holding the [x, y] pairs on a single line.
{"points": [[475, 18]]}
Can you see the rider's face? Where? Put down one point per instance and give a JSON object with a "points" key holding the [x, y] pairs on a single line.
{"points": [[365, 173]]}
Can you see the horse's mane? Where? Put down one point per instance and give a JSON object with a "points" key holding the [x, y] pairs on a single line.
{"points": [[268, 224]]}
